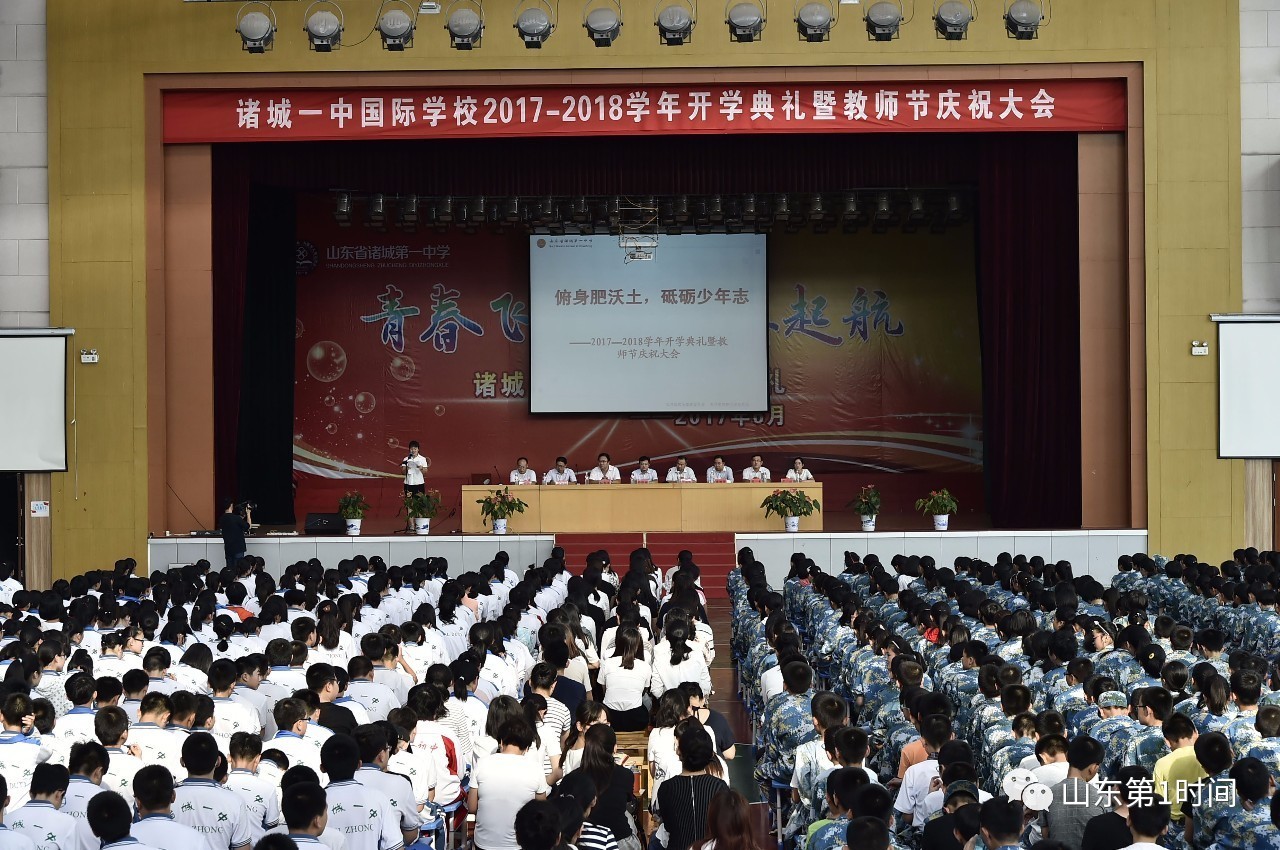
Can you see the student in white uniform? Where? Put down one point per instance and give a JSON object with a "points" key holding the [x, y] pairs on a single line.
{"points": [[112, 727], [414, 465], [757, 472], [797, 472], [305, 808], [153, 791], [230, 716], [10, 840], [40, 818], [365, 816], [111, 819], [19, 754], [681, 473], [604, 472], [159, 745], [718, 473], [522, 474], [643, 474], [560, 473], [292, 720], [260, 796], [88, 763], [201, 803], [502, 783], [375, 752]]}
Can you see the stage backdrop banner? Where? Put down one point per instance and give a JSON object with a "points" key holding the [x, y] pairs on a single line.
{"points": [[257, 115], [875, 368]]}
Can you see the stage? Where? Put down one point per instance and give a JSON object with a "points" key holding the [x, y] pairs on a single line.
{"points": [[1092, 552]]}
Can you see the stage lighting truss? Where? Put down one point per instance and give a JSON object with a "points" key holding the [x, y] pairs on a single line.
{"points": [[951, 18], [256, 24], [1023, 19], [464, 20], [637, 227], [397, 22], [884, 20], [602, 19], [323, 25], [745, 19], [535, 21], [815, 20], [675, 21]]}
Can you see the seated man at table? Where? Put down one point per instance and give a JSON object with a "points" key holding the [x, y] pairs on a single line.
{"points": [[560, 474], [522, 474], [718, 473], [604, 471], [757, 472], [643, 474], [681, 473]]}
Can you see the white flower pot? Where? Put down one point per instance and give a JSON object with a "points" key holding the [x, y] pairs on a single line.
{"points": [[941, 521], [499, 526], [353, 527], [868, 522], [422, 525], [791, 523]]}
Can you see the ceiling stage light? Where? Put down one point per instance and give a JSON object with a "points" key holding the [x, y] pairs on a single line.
{"points": [[1022, 19], [883, 20], [951, 19], [323, 25], [602, 19], [396, 24], [256, 24], [535, 22], [465, 23], [815, 20], [675, 22], [746, 20]]}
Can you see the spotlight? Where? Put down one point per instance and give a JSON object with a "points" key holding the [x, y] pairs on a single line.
{"points": [[342, 209], [1022, 19], [465, 23], [781, 208], [746, 21], [535, 21], [682, 208], [409, 213], [749, 208], [951, 19], [376, 217], [851, 211], [396, 25], [715, 209], [816, 211], [513, 210], [581, 210], [602, 19], [675, 22], [955, 213], [883, 21], [444, 209], [478, 209], [815, 20], [882, 215], [257, 28], [324, 25], [916, 215]]}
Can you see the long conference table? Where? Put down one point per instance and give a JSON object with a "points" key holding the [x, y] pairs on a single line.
{"points": [[638, 507]]}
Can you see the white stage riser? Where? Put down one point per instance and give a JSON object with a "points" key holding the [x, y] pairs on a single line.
{"points": [[464, 552], [1091, 553]]}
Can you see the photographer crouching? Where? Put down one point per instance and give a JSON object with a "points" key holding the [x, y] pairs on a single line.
{"points": [[234, 524]]}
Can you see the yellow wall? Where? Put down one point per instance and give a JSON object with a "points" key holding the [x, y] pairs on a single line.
{"points": [[98, 53]]}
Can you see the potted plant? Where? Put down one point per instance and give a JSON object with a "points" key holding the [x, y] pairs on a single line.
{"points": [[421, 508], [353, 507], [498, 506], [790, 505], [867, 505], [939, 504]]}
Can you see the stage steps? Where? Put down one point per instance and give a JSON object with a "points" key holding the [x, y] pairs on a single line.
{"points": [[714, 553]]}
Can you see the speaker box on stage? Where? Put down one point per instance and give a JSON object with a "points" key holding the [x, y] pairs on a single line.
{"points": [[325, 524]]}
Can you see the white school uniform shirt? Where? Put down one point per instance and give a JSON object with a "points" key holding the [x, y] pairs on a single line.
{"points": [[756, 475], [364, 816], [215, 812], [555, 476], [10, 840], [76, 803], [413, 470], [159, 746], [48, 828], [231, 716], [419, 768], [377, 698], [623, 688], [298, 749], [257, 703], [526, 477], [611, 474], [19, 756], [674, 475], [77, 725], [648, 476], [397, 789], [504, 782], [360, 713], [260, 798], [667, 675], [805, 475], [915, 789], [721, 476], [124, 765], [165, 831]]}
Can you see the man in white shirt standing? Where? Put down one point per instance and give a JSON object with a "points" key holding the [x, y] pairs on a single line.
{"points": [[560, 473], [522, 474], [718, 473], [643, 474], [757, 472], [604, 472], [681, 473]]}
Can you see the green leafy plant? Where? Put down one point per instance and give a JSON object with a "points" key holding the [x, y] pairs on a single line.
{"points": [[867, 502], [421, 505], [500, 504], [937, 503], [789, 503], [353, 505]]}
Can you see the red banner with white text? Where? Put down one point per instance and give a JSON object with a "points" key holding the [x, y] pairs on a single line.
{"points": [[250, 114]]}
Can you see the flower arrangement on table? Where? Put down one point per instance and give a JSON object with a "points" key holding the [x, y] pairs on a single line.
{"points": [[423, 505], [791, 502], [938, 503], [867, 502], [500, 504], [353, 505]]}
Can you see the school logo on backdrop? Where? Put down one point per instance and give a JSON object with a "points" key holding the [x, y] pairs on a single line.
{"points": [[306, 258]]}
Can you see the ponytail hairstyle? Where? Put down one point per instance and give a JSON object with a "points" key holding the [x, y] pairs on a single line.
{"points": [[480, 638], [1216, 695], [589, 714], [425, 615], [328, 624], [534, 705], [677, 632], [599, 743], [174, 632], [450, 599], [224, 627], [464, 673], [628, 646]]}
